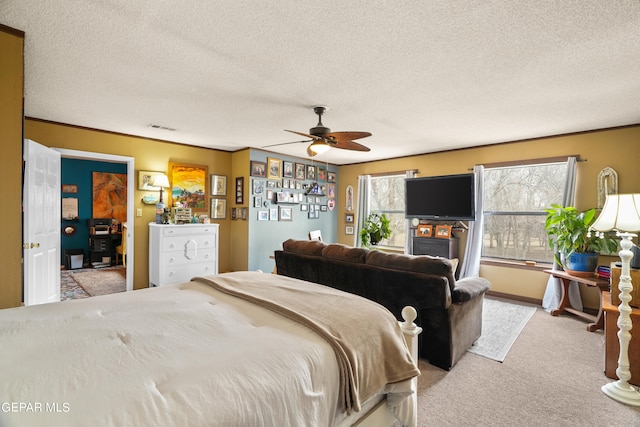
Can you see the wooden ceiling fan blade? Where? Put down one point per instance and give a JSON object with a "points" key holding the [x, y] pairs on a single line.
{"points": [[286, 143], [350, 145], [347, 136], [302, 134]]}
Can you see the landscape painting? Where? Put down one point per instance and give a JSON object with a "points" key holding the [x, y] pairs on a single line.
{"points": [[189, 186]]}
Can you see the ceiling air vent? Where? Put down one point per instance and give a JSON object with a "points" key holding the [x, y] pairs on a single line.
{"points": [[162, 127]]}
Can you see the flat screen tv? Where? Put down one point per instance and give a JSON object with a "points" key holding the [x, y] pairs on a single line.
{"points": [[449, 197]]}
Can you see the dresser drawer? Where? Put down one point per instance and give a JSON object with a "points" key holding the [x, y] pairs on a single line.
{"points": [[186, 230], [188, 243], [188, 257], [184, 273]]}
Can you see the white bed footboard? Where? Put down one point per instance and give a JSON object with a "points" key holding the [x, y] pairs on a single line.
{"points": [[381, 415]]}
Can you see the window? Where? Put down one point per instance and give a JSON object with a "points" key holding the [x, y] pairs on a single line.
{"points": [[387, 196], [514, 201]]}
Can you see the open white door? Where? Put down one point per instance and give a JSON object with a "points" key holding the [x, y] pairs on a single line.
{"points": [[41, 241]]}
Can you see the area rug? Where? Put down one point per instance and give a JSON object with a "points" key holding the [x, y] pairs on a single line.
{"points": [[502, 323], [101, 281]]}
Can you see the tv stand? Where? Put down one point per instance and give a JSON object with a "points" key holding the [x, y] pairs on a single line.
{"points": [[436, 246]]}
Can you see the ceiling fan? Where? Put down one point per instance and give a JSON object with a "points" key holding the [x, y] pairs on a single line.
{"points": [[322, 138]]}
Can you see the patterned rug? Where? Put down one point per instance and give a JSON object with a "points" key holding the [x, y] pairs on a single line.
{"points": [[101, 281], [69, 288], [502, 323]]}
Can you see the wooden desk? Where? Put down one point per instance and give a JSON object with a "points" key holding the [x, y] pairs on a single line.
{"points": [[597, 322], [612, 344]]}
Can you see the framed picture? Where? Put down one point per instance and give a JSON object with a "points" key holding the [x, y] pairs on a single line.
{"points": [[239, 190], [243, 214], [273, 214], [331, 177], [258, 169], [189, 186], [286, 213], [72, 188], [348, 202], [443, 231], [257, 202], [424, 230], [258, 186], [287, 169], [331, 191], [311, 172], [234, 213], [322, 173], [218, 208], [274, 168], [300, 171], [145, 179], [323, 208], [263, 215], [218, 185], [349, 218], [348, 229], [304, 207]]}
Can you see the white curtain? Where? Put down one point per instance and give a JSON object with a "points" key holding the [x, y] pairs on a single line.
{"points": [[408, 241], [553, 293], [362, 209], [471, 263]]}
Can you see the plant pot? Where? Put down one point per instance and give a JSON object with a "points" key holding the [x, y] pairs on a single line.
{"points": [[581, 264], [373, 239]]}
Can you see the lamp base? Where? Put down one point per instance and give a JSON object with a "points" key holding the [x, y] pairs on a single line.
{"points": [[622, 392]]}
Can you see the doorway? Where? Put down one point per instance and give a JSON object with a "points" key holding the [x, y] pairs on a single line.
{"points": [[129, 161]]}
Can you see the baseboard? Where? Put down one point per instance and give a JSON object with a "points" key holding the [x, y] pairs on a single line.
{"points": [[528, 300]]}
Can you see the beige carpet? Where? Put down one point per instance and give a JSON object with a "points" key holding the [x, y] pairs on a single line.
{"points": [[101, 281], [552, 377]]}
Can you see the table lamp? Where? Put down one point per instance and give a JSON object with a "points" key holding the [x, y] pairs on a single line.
{"points": [[161, 181], [621, 212]]}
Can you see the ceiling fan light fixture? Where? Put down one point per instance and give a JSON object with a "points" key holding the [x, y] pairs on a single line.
{"points": [[319, 146]]}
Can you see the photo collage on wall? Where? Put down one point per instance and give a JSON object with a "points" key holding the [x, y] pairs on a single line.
{"points": [[278, 186]]}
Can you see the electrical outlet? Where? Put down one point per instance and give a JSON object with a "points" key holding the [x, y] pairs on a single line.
{"points": [[138, 212]]}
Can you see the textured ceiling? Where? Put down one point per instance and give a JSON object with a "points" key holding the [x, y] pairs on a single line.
{"points": [[420, 76]]}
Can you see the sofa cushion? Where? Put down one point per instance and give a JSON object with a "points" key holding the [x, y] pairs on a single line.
{"points": [[345, 253], [307, 247], [417, 263]]}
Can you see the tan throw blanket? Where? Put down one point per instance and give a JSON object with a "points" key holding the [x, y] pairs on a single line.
{"points": [[365, 336]]}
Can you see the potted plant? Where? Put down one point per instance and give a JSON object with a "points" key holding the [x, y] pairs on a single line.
{"points": [[571, 238], [375, 228]]}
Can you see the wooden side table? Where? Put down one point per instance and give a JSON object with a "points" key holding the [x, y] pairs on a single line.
{"points": [[612, 344], [597, 322]]}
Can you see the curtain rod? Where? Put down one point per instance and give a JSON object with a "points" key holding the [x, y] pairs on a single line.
{"points": [[530, 161], [393, 173]]}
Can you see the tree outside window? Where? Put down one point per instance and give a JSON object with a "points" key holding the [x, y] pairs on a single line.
{"points": [[387, 196], [514, 201]]}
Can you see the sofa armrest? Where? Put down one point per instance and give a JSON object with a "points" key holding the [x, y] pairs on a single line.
{"points": [[469, 288]]}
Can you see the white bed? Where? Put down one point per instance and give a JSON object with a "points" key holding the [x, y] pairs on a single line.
{"points": [[191, 355]]}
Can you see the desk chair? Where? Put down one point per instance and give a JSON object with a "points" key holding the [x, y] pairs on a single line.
{"points": [[122, 248]]}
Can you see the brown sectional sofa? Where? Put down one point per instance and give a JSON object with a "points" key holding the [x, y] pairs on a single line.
{"points": [[449, 311]]}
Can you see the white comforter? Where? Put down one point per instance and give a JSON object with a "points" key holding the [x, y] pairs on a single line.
{"points": [[183, 355]]}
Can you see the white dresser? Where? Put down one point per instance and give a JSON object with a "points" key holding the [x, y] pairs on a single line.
{"points": [[179, 252]]}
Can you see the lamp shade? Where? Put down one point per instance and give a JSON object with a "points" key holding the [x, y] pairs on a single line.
{"points": [[161, 181], [621, 212], [319, 146]]}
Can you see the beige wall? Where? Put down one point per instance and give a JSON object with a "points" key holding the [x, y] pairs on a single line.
{"points": [[240, 229], [151, 155], [616, 148], [11, 90]]}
